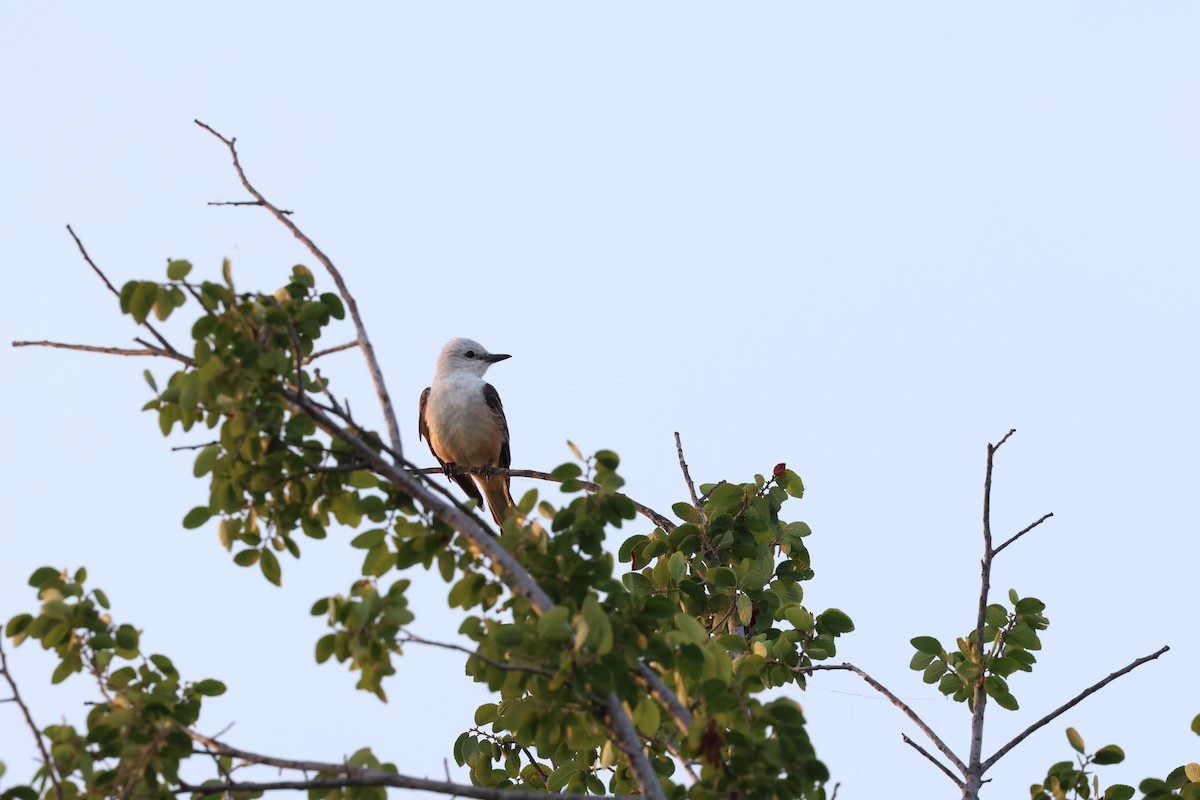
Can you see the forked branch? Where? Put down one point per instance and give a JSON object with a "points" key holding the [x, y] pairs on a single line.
{"points": [[385, 400], [37, 734]]}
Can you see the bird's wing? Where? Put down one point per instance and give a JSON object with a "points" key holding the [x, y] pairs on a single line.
{"points": [[423, 426], [492, 398]]}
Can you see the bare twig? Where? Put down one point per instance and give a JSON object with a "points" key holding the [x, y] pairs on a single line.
{"points": [[113, 289], [330, 350], [350, 776], [659, 690], [37, 734], [688, 479], [1023, 531], [504, 665], [385, 400], [112, 351], [647, 512], [896, 701], [957, 780], [244, 203], [1069, 705]]}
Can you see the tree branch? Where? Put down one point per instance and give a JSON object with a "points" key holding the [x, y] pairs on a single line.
{"points": [[896, 701], [504, 665], [112, 351], [385, 400], [1069, 705], [518, 579], [244, 203], [1023, 531], [688, 479], [647, 512], [344, 346], [351, 776], [113, 289], [957, 780], [37, 734], [659, 690]]}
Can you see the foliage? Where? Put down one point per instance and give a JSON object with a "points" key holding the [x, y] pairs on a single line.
{"points": [[715, 603], [1070, 779]]}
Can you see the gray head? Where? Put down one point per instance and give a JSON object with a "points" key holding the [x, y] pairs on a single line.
{"points": [[467, 355]]}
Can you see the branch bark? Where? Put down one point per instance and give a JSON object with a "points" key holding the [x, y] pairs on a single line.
{"points": [[385, 400], [37, 734], [353, 776], [1069, 705], [896, 701]]}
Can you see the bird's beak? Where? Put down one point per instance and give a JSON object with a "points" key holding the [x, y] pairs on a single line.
{"points": [[494, 357]]}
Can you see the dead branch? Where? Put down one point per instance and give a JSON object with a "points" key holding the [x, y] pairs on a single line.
{"points": [[112, 351], [957, 780], [1069, 705], [1023, 531], [896, 701], [385, 400], [37, 734]]}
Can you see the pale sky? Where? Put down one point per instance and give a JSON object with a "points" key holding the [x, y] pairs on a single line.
{"points": [[864, 239]]}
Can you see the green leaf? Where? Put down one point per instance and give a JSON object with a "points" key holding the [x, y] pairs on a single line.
{"points": [[553, 624], [837, 622], [1119, 791], [270, 566], [334, 304], [929, 645], [565, 472], [209, 687], [1109, 754], [205, 460], [43, 575], [677, 566], [486, 713], [607, 459], [196, 517], [101, 598], [745, 609], [1076, 740], [325, 647], [1196, 725], [246, 558], [178, 270]]}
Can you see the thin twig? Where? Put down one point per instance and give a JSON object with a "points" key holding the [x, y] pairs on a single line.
{"points": [[344, 346], [1069, 705], [957, 780], [244, 203], [351, 776], [896, 701], [647, 512], [1023, 531], [385, 400], [37, 734], [112, 351], [83, 251], [688, 479], [503, 665]]}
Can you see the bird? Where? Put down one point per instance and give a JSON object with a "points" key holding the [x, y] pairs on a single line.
{"points": [[463, 421]]}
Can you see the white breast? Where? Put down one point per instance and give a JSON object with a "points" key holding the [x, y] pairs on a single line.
{"points": [[461, 426]]}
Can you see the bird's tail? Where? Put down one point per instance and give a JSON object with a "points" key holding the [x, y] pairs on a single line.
{"points": [[495, 489]]}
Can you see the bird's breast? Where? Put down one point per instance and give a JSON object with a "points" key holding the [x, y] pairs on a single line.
{"points": [[462, 429]]}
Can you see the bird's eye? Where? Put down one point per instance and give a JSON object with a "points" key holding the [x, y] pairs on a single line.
{"points": [[469, 354]]}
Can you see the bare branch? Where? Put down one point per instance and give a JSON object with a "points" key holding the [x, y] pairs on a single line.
{"points": [[1069, 705], [351, 776], [113, 289], [385, 400], [344, 346], [996, 446], [957, 780], [896, 701], [647, 512], [244, 203], [112, 351], [504, 665], [659, 690], [1023, 531], [688, 479], [37, 734]]}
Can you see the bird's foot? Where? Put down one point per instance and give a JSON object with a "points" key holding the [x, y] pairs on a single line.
{"points": [[450, 468]]}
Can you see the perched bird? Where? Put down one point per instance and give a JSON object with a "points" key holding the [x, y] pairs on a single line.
{"points": [[463, 421]]}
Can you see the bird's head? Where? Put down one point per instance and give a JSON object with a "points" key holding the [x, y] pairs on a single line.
{"points": [[466, 355]]}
